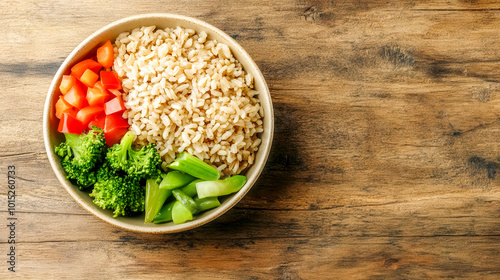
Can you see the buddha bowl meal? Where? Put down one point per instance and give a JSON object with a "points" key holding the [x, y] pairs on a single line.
{"points": [[161, 123]]}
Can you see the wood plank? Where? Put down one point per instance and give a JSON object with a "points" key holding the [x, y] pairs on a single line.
{"points": [[301, 258], [467, 214]]}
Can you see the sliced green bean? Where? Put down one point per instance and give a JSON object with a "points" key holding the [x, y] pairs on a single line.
{"points": [[220, 187], [190, 189], [180, 214], [206, 203], [186, 200], [175, 179], [194, 167], [165, 213], [155, 198]]}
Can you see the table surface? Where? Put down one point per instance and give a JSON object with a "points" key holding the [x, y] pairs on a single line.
{"points": [[384, 163]]}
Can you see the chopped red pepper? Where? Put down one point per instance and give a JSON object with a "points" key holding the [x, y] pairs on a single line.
{"points": [[79, 68], [110, 80], [69, 124], [87, 114], [115, 105], [105, 55]]}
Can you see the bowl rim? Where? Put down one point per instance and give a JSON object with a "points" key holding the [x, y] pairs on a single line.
{"points": [[230, 202]]}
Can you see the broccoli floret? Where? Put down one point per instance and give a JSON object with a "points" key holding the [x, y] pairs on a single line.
{"points": [[143, 163], [80, 155], [124, 194]]}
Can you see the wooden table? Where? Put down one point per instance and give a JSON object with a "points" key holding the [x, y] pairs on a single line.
{"points": [[384, 165]]}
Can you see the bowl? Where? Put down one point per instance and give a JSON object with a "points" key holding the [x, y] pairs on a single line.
{"points": [[52, 137]]}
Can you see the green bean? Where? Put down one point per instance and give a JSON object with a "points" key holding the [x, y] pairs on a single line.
{"points": [[155, 198], [190, 189], [187, 201], [194, 167], [175, 179], [206, 203], [180, 214], [165, 213], [220, 187]]}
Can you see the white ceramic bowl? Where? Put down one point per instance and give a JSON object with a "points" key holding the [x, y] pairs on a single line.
{"points": [[52, 137]]}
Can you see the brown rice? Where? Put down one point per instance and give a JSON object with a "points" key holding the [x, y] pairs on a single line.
{"points": [[185, 92]]}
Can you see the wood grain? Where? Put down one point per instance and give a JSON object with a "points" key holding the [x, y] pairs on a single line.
{"points": [[384, 165]]}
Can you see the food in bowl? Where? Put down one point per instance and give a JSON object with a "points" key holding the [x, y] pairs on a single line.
{"points": [[183, 95], [185, 92]]}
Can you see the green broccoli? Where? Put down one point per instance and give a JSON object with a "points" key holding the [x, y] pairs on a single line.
{"points": [[144, 163], [124, 194], [80, 156]]}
